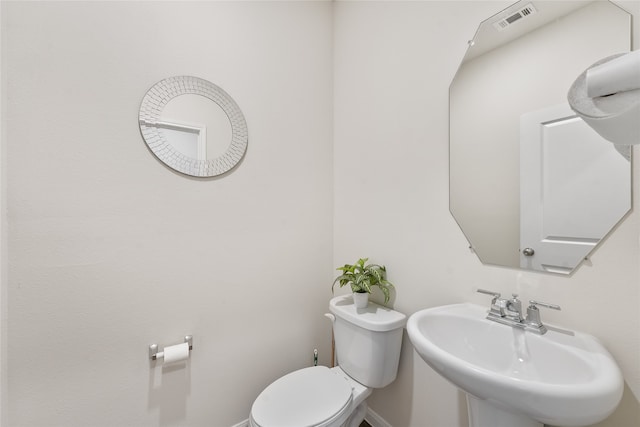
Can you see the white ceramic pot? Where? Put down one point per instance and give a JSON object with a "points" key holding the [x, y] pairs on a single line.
{"points": [[361, 299]]}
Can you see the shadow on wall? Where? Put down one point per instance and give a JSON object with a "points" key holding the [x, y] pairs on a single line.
{"points": [[169, 389], [402, 386], [629, 409], [402, 411], [405, 378]]}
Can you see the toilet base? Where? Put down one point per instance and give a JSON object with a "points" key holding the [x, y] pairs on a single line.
{"points": [[357, 416], [360, 394]]}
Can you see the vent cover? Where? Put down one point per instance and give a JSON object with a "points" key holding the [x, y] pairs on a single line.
{"points": [[507, 22]]}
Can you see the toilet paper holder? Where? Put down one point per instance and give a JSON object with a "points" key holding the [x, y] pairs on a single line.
{"points": [[154, 354]]}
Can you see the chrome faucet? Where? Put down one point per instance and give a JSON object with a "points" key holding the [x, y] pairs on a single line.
{"points": [[509, 312], [497, 309], [513, 309]]}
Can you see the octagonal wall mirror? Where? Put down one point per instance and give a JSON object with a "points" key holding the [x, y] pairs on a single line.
{"points": [[193, 126], [531, 185]]}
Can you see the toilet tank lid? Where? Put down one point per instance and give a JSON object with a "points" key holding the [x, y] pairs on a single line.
{"points": [[374, 317]]}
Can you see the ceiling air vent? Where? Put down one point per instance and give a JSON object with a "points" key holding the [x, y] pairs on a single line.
{"points": [[505, 23]]}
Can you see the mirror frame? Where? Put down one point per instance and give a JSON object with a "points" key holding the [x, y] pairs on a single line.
{"points": [[159, 96]]}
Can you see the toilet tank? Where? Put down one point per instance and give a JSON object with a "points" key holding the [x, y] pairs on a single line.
{"points": [[368, 341]]}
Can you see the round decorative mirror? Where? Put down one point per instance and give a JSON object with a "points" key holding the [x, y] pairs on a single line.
{"points": [[193, 126], [531, 185]]}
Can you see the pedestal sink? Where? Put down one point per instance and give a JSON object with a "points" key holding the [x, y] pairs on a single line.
{"points": [[514, 377]]}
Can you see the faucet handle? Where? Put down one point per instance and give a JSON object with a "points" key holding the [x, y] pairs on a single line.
{"points": [[533, 321], [497, 304], [495, 295], [534, 304]]}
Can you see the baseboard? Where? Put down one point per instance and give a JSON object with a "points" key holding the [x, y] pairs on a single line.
{"points": [[375, 420], [244, 423]]}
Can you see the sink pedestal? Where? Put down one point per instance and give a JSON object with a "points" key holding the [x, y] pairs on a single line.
{"points": [[484, 414]]}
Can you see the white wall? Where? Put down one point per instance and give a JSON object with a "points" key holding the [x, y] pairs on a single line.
{"points": [[393, 64], [110, 251], [102, 261]]}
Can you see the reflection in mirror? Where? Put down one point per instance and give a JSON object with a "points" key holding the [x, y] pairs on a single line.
{"points": [[193, 126], [531, 185], [196, 126]]}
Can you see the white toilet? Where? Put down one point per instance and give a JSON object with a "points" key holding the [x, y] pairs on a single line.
{"points": [[368, 345]]}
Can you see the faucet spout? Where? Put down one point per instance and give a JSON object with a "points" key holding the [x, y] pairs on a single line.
{"points": [[513, 309]]}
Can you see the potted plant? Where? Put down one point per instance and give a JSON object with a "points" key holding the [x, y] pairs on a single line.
{"points": [[362, 277]]}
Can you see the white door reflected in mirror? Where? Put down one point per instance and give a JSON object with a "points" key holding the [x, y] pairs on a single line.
{"points": [[574, 187], [196, 126]]}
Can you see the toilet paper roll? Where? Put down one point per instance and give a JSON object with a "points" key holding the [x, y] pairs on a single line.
{"points": [[617, 75], [614, 117], [176, 353]]}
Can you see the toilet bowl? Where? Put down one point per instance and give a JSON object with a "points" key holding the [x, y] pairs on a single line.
{"points": [[316, 396], [368, 345]]}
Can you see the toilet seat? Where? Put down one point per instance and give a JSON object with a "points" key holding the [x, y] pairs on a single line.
{"points": [[309, 397]]}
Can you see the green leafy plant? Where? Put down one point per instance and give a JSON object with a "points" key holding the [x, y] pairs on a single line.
{"points": [[362, 277]]}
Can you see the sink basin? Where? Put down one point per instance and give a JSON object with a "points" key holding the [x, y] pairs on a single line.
{"points": [[559, 378]]}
